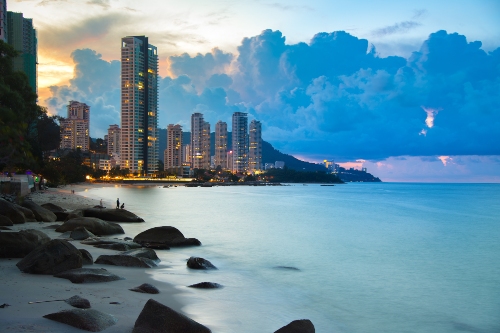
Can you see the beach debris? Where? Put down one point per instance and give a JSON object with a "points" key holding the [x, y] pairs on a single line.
{"points": [[86, 257], [206, 285], [112, 215], [19, 244], [92, 224], [80, 233], [88, 275], [159, 318], [298, 326], [85, 319], [111, 244], [4, 305], [75, 301], [146, 288], [199, 263], [5, 221], [164, 237], [124, 260], [53, 207], [41, 214], [52, 257]]}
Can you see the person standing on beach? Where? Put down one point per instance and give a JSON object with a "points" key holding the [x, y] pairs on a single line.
{"points": [[101, 202], [117, 203]]}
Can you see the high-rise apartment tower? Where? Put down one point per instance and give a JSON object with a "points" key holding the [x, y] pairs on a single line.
{"points": [[200, 142], [139, 105], [173, 153], [3, 20], [255, 146], [221, 145], [114, 136], [75, 128], [240, 142]]}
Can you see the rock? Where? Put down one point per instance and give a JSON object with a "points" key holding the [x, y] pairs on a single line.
{"points": [[12, 211], [123, 260], [298, 326], [89, 319], [78, 302], [206, 285], [287, 268], [61, 216], [199, 263], [128, 239], [111, 244], [158, 318], [53, 208], [112, 215], [146, 288], [86, 257], [41, 213], [88, 275], [5, 221], [5, 228], [165, 236], [143, 253], [92, 224], [81, 233], [51, 258], [28, 214], [19, 244], [75, 213]]}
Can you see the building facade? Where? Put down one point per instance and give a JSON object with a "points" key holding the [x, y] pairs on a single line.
{"points": [[240, 142], [75, 128], [220, 145], [3, 20], [139, 149], [173, 153], [200, 142], [113, 140], [255, 146]]}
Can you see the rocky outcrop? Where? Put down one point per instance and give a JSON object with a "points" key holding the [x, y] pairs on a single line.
{"points": [[199, 263], [28, 214], [143, 253], [78, 302], [158, 318], [51, 258], [163, 238], [5, 221], [92, 224], [41, 214], [12, 211], [146, 288], [86, 257], [61, 216], [206, 285], [81, 233], [111, 244], [112, 215], [52, 207], [88, 275], [89, 319], [19, 244], [124, 260], [298, 326]]}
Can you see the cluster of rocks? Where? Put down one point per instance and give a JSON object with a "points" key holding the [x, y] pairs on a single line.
{"points": [[60, 258]]}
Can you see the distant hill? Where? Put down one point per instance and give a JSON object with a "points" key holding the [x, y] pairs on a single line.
{"points": [[269, 153]]}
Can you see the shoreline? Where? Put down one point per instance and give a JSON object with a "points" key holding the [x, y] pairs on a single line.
{"points": [[18, 288]]}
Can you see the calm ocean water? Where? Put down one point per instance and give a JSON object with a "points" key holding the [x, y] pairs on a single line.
{"points": [[381, 257]]}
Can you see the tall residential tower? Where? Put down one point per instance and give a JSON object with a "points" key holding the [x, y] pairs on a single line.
{"points": [[200, 142], [240, 142], [221, 144], [139, 105], [255, 146], [173, 153], [75, 128], [113, 136], [3, 20]]}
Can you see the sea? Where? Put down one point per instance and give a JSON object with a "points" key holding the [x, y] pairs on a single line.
{"points": [[354, 258]]}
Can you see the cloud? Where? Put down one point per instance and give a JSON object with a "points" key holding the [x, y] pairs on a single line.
{"points": [[401, 27]]}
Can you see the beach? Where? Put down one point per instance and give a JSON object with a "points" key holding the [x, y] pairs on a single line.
{"points": [[17, 289]]}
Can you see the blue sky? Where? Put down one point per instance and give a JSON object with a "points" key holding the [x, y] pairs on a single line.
{"points": [[408, 89]]}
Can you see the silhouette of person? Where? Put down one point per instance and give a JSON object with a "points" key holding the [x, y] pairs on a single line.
{"points": [[123, 206], [117, 203], [101, 203]]}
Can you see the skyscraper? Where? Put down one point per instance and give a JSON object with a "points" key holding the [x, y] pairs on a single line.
{"points": [[3, 20], [114, 134], [240, 142], [22, 37], [221, 144], [200, 142], [139, 105], [75, 128], [255, 146], [173, 153]]}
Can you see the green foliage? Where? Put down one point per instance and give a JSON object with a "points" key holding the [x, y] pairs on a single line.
{"points": [[291, 176], [67, 169]]}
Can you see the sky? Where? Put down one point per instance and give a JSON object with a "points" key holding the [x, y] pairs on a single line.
{"points": [[408, 89]]}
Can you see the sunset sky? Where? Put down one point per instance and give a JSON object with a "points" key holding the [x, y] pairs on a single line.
{"points": [[410, 90]]}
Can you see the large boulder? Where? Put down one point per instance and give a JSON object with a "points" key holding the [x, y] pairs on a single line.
{"points": [[28, 213], [41, 214], [81, 233], [206, 285], [78, 302], [298, 326], [113, 215], [158, 318], [127, 261], [143, 253], [12, 211], [199, 263], [5, 221], [19, 244], [88, 275], [146, 288], [164, 237], [92, 224], [51, 258], [85, 319], [111, 244], [62, 216], [53, 207], [86, 257]]}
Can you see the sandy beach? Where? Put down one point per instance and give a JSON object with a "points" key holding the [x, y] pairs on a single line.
{"points": [[18, 288]]}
